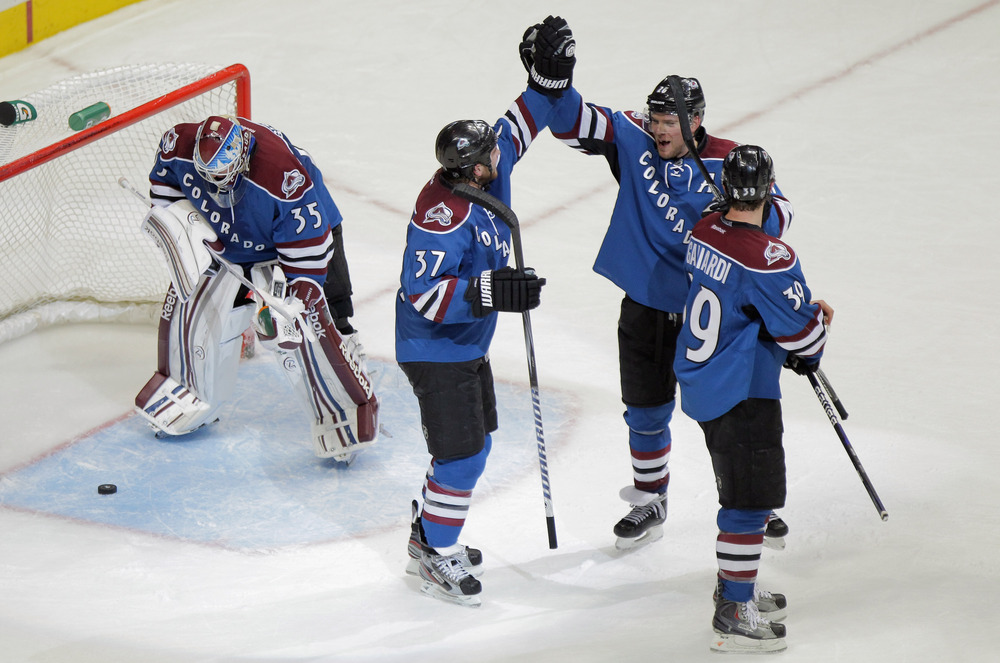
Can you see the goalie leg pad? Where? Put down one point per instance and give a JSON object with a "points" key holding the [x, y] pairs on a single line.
{"points": [[328, 378], [170, 406], [199, 350]]}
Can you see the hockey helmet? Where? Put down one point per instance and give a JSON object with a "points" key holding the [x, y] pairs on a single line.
{"points": [[747, 174], [222, 149], [661, 99], [462, 144]]}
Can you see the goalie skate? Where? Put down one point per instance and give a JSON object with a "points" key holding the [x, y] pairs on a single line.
{"points": [[445, 578], [470, 558], [644, 523]]}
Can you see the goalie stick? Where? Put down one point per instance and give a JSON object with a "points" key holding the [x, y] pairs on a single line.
{"points": [[832, 415], [493, 205], [278, 305]]}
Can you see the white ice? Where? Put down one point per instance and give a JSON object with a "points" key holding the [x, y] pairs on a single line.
{"points": [[881, 118]]}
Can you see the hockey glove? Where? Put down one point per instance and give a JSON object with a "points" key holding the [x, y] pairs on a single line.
{"points": [[801, 365], [548, 53], [716, 206], [505, 289]]}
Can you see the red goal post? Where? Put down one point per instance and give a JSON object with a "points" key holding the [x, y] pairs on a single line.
{"points": [[70, 244]]}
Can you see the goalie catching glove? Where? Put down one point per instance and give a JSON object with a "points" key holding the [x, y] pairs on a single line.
{"points": [[548, 53], [505, 289]]}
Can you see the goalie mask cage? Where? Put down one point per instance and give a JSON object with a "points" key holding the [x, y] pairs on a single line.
{"points": [[71, 248]]}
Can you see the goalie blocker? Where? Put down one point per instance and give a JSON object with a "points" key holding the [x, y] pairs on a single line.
{"points": [[200, 338]]}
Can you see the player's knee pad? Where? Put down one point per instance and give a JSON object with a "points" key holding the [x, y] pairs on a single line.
{"points": [[198, 356], [462, 473], [328, 376], [749, 477], [742, 521]]}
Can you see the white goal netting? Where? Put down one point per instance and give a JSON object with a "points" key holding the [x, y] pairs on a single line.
{"points": [[70, 244]]}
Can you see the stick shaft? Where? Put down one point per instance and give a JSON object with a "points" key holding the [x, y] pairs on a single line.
{"points": [[507, 216], [832, 415]]}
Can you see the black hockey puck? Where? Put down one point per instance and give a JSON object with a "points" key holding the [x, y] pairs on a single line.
{"points": [[107, 489]]}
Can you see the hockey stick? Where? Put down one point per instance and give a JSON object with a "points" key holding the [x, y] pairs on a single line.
{"points": [[507, 216], [833, 395], [677, 89], [832, 415], [278, 305]]}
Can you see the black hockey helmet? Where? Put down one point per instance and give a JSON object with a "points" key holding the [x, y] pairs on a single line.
{"points": [[747, 174], [661, 99], [462, 144]]}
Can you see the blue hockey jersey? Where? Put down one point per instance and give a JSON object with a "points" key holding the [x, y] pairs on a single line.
{"points": [[448, 241], [659, 201], [283, 211], [742, 282]]}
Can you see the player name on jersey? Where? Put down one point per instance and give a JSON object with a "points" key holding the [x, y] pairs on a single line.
{"points": [[704, 259]]}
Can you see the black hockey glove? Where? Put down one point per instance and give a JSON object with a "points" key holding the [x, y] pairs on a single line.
{"points": [[505, 289], [715, 206], [548, 53], [800, 365]]}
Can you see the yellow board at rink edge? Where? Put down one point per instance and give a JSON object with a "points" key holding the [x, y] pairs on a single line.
{"points": [[24, 23]]}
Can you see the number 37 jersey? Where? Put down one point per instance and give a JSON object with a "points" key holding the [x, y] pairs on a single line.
{"points": [[748, 307]]}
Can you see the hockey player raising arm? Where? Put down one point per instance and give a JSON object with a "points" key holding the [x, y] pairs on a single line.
{"points": [[454, 280], [261, 205], [748, 312], [661, 195]]}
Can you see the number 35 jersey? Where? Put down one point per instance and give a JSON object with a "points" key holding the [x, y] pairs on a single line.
{"points": [[748, 307]]}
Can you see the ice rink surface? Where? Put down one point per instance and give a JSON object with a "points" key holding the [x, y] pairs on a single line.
{"points": [[881, 118]]}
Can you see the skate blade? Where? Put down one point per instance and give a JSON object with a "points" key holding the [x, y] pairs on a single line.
{"points": [[432, 590], [774, 542], [413, 568], [778, 615], [730, 643], [654, 533]]}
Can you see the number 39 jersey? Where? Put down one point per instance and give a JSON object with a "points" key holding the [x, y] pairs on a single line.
{"points": [[748, 307]]}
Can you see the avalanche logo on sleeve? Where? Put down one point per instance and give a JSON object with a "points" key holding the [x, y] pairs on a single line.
{"points": [[775, 252], [293, 180], [169, 141], [440, 214]]}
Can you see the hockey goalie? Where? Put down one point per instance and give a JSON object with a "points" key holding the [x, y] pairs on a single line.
{"points": [[251, 235]]}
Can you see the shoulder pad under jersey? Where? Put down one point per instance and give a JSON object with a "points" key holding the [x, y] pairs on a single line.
{"points": [[178, 141], [274, 167], [636, 118], [716, 148], [753, 249], [438, 209]]}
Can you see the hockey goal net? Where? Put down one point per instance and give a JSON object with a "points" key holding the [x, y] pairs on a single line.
{"points": [[70, 244]]}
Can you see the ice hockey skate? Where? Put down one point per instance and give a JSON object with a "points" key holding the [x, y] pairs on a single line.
{"points": [[740, 629], [470, 558], [773, 607], [445, 578], [774, 533], [644, 523]]}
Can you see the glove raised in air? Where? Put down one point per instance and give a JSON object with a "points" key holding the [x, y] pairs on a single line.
{"points": [[548, 53]]}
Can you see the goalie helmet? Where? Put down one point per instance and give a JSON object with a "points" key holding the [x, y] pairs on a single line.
{"points": [[463, 144], [747, 174], [222, 149], [661, 99]]}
